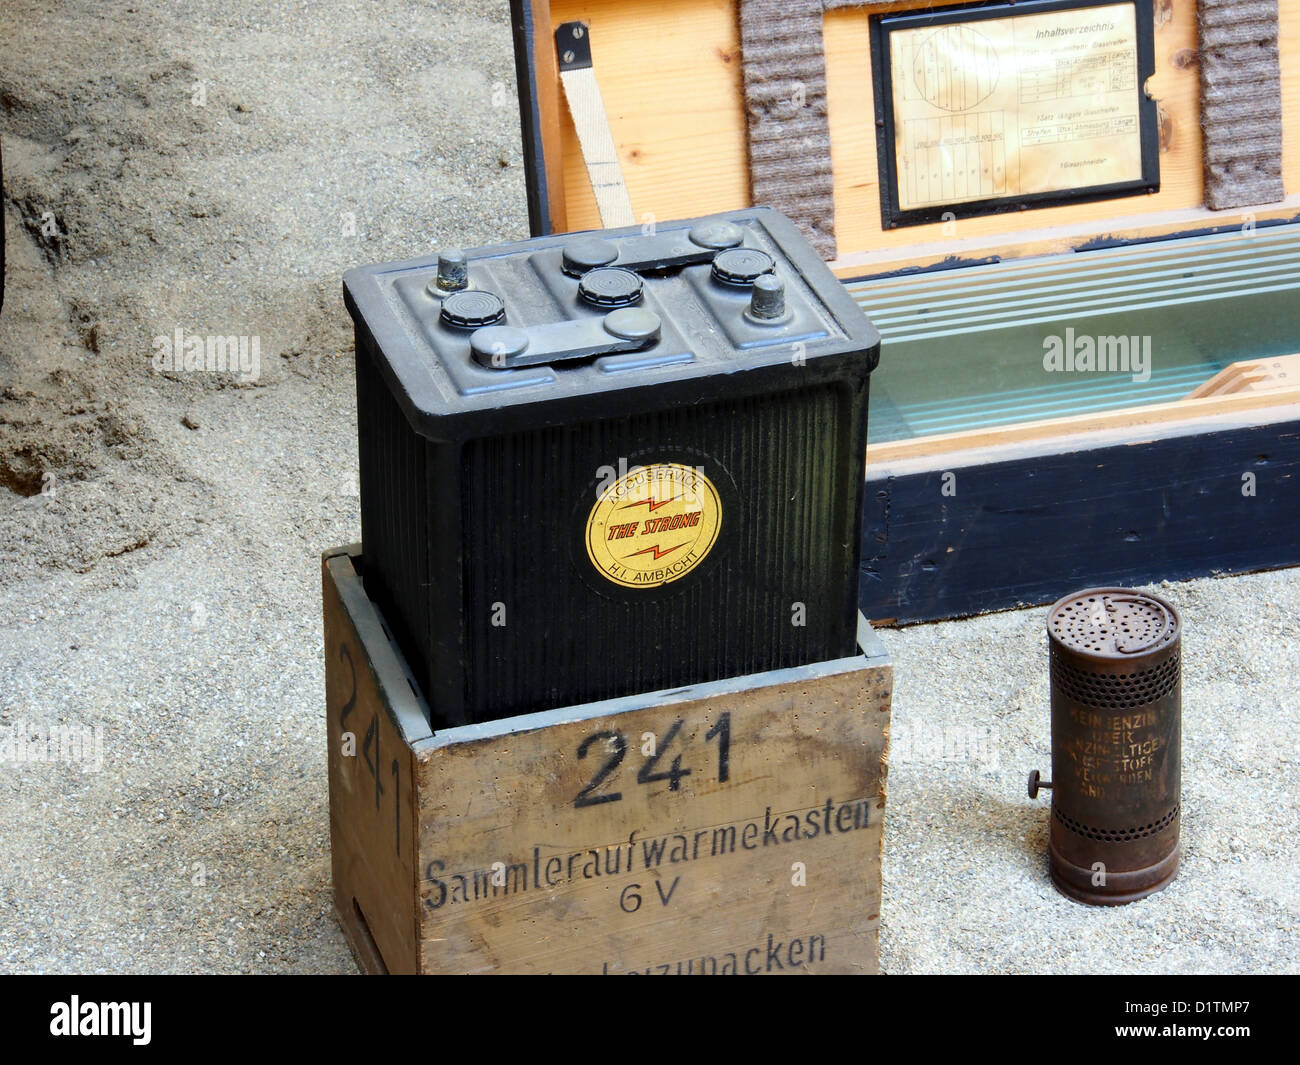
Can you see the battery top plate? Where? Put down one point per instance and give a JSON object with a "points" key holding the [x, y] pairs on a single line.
{"points": [[564, 338]]}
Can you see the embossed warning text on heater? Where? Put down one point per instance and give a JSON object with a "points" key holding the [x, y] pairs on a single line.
{"points": [[1016, 106]]}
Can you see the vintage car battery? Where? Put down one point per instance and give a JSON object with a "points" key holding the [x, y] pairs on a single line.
{"points": [[607, 463]]}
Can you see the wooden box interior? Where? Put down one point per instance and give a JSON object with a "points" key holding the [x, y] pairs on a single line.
{"points": [[991, 497]]}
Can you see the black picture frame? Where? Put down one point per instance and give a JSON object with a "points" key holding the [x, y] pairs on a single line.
{"points": [[883, 26]]}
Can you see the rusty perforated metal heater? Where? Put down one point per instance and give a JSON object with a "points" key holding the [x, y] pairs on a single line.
{"points": [[1116, 672]]}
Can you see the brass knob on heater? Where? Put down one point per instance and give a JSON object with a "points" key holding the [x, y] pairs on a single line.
{"points": [[1036, 781]]}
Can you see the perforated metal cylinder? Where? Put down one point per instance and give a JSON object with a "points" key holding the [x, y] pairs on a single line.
{"points": [[1116, 671]]}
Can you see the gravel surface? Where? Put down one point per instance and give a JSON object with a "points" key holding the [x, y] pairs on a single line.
{"points": [[215, 166]]}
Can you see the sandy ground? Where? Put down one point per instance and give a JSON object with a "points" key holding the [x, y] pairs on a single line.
{"points": [[214, 167]]}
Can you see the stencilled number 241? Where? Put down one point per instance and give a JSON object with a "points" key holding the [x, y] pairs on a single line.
{"points": [[614, 746]]}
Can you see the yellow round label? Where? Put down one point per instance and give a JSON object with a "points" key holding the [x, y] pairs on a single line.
{"points": [[654, 525]]}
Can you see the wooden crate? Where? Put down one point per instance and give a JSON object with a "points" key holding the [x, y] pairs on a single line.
{"points": [[725, 827]]}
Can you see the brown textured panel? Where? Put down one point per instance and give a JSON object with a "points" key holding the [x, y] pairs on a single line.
{"points": [[1241, 102], [785, 103], [784, 67]]}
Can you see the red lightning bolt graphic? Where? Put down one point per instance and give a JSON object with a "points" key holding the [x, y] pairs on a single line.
{"points": [[658, 554], [649, 503]]}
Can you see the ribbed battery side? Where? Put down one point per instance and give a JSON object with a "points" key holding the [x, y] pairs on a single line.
{"points": [[394, 524], [788, 538]]}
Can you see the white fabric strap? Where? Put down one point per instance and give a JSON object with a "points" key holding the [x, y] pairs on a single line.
{"points": [[597, 142]]}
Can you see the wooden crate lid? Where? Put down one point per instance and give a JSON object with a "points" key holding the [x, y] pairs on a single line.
{"points": [[673, 77]]}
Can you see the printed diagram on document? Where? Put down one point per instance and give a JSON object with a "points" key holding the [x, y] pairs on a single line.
{"points": [[1016, 107]]}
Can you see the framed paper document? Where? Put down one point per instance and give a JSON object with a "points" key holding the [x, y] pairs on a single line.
{"points": [[1005, 106]]}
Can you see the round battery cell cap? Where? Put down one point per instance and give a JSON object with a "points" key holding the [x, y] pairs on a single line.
{"points": [[472, 309], [633, 323], [741, 266], [610, 286], [453, 271], [495, 345], [717, 235], [579, 256]]}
